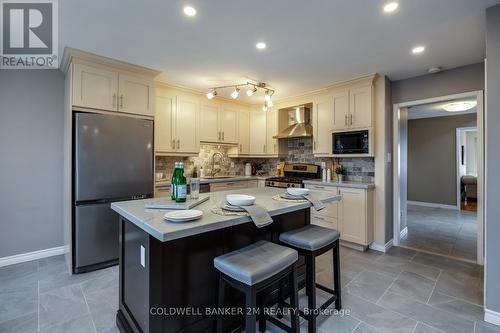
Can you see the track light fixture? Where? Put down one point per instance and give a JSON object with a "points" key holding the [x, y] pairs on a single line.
{"points": [[235, 93], [250, 92], [212, 94], [254, 87]]}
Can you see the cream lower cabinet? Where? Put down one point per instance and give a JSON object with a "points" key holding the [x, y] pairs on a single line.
{"points": [[352, 216]]}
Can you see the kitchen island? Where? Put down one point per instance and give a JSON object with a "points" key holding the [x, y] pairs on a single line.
{"points": [[167, 278]]}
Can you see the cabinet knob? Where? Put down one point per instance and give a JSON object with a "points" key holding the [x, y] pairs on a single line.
{"points": [[173, 144], [222, 136], [114, 101], [178, 144], [345, 120], [121, 101], [351, 119]]}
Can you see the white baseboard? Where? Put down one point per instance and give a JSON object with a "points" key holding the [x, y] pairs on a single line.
{"points": [[492, 317], [381, 247], [431, 204], [23, 257], [403, 233]]}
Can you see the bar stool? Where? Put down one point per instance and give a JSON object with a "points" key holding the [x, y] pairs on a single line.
{"points": [[251, 270], [311, 241]]}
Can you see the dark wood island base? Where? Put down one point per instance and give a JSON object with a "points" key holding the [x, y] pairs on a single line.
{"points": [[178, 275]]}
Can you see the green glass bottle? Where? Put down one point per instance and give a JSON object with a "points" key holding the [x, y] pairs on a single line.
{"points": [[181, 185], [173, 181]]}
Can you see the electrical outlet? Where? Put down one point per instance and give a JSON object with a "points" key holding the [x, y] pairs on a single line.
{"points": [[143, 256]]}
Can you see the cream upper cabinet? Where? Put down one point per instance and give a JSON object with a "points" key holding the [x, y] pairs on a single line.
{"points": [[209, 122], [271, 130], [186, 125], [135, 95], [257, 132], [244, 132], [228, 121], [360, 107], [95, 87], [102, 88], [340, 109], [165, 108], [353, 215], [322, 120]]}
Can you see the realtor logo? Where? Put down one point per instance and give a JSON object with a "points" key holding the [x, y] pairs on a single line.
{"points": [[29, 34]]}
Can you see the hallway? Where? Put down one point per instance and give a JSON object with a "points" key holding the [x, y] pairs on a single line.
{"points": [[442, 231]]}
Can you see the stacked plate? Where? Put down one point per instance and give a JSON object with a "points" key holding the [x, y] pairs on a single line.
{"points": [[183, 215], [295, 193], [235, 201]]}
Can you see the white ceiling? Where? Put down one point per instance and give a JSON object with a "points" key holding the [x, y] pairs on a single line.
{"points": [[433, 110], [310, 44]]}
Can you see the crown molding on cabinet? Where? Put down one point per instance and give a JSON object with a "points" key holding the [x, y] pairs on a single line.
{"points": [[71, 54]]}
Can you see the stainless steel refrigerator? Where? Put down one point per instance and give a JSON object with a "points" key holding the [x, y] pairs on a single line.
{"points": [[112, 161]]}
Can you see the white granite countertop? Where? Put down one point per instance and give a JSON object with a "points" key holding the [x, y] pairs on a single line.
{"points": [[350, 184], [217, 180], [152, 222]]}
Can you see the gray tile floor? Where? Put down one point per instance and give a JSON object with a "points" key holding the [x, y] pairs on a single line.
{"points": [[400, 291], [442, 231]]}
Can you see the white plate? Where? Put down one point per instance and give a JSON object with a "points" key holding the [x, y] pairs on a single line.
{"points": [[297, 191], [240, 199], [183, 215], [292, 197], [231, 208]]}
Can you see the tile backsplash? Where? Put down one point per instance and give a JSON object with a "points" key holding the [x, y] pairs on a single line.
{"points": [[300, 150]]}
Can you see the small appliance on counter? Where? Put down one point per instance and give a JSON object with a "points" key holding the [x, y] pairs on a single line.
{"points": [[248, 169], [294, 175]]}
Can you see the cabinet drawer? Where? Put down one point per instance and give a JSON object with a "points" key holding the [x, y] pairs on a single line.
{"points": [[161, 192], [214, 187], [322, 188], [331, 211], [324, 221]]}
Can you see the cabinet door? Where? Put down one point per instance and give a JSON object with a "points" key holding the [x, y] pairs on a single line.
{"points": [[340, 106], [322, 140], [244, 132], [209, 122], [353, 215], [271, 130], [95, 88], [135, 95], [257, 132], [165, 105], [360, 107], [228, 121], [186, 125]]}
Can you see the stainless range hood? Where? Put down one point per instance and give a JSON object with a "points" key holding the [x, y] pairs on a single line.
{"points": [[298, 123]]}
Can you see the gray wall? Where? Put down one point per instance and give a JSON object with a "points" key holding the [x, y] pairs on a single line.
{"points": [[453, 81], [31, 150], [492, 122], [432, 158]]}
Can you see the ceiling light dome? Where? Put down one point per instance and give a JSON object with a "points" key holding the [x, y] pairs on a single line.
{"points": [[418, 49], [189, 11], [459, 106], [260, 45], [391, 7]]}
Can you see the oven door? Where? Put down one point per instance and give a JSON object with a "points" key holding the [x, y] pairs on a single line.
{"points": [[350, 142]]}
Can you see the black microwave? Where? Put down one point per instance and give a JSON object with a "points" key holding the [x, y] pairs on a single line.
{"points": [[355, 142]]}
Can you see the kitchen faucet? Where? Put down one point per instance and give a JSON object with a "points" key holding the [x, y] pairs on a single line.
{"points": [[213, 162]]}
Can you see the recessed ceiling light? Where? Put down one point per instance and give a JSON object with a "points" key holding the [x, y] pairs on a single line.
{"points": [[459, 106], [390, 7], [189, 11], [260, 45], [418, 49]]}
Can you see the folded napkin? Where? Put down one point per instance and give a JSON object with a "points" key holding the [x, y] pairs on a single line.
{"points": [[259, 215], [315, 201]]}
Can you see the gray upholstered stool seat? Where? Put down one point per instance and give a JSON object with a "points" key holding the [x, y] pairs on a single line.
{"points": [[256, 262], [311, 237]]}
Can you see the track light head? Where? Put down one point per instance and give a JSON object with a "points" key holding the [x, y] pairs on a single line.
{"points": [[250, 92], [211, 94], [235, 93]]}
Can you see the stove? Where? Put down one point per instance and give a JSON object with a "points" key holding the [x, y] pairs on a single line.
{"points": [[295, 174]]}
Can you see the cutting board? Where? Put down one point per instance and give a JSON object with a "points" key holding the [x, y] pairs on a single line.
{"points": [[167, 203]]}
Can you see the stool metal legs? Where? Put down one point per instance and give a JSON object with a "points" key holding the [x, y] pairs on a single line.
{"points": [[336, 276], [254, 299], [311, 291]]}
